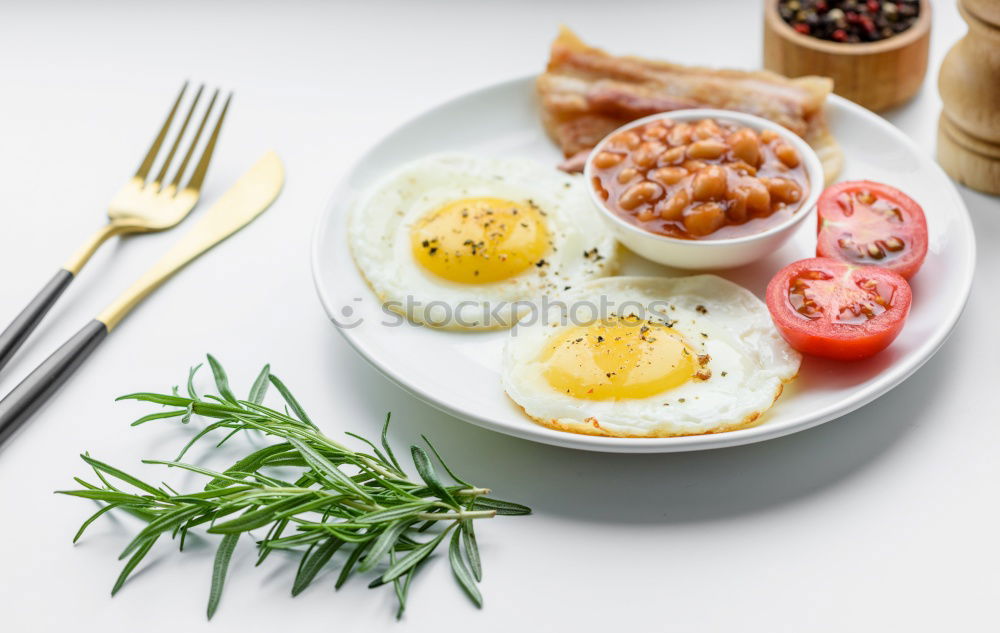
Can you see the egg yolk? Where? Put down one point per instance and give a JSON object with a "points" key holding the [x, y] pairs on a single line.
{"points": [[618, 359], [480, 240]]}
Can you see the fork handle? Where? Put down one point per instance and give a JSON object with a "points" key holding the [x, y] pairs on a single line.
{"points": [[14, 336], [34, 390]]}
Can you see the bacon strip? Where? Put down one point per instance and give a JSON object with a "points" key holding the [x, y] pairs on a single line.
{"points": [[586, 93]]}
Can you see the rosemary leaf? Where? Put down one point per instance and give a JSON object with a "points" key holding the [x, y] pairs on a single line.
{"points": [[290, 399], [385, 444], [312, 564], [114, 472], [502, 507], [93, 518], [462, 572], [157, 416], [471, 549], [221, 380], [426, 471], [190, 385], [327, 470], [397, 512], [385, 542], [413, 557], [259, 388], [444, 465], [137, 557], [219, 569]]}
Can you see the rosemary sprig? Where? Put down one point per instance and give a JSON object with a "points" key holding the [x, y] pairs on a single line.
{"points": [[359, 502]]}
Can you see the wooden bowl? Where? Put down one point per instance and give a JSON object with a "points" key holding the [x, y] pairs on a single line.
{"points": [[877, 75]]}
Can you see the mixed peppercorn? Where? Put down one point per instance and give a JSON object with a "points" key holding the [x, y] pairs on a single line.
{"points": [[849, 20]]}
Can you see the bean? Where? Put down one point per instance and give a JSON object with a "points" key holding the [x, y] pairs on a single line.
{"points": [[639, 193], [694, 165], [783, 190], [672, 156], [704, 218], [626, 175], [706, 128], [673, 207], [709, 148], [787, 155], [627, 140], [668, 175], [745, 146], [599, 187], [758, 197], [737, 210], [606, 160], [709, 183], [655, 132], [766, 136], [647, 153], [742, 168], [680, 134]]}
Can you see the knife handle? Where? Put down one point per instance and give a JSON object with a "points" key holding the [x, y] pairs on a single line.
{"points": [[17, 407], [25, 323]]}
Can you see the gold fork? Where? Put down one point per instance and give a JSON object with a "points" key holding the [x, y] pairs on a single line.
{"points": [[138, 207]]}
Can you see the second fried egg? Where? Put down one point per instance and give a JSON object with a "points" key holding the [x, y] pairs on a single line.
{"points": [[649, 357]]}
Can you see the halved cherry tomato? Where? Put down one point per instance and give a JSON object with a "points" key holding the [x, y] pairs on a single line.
{"points": [[868, 223], [830, 308]]}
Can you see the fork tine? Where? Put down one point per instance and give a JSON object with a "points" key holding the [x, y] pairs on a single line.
{"points": [[194, 142], [199, 172], [180, 136], [147, 162]]}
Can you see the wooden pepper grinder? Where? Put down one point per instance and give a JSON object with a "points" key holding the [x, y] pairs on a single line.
{"points": [[968, 145]]}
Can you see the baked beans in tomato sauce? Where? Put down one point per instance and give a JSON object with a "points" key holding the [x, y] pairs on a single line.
{"points": [[707, 179]]}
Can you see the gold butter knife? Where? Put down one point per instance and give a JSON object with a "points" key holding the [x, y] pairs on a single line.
{"points": [[249, 197]]}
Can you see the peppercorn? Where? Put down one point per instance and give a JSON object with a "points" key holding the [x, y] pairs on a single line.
{"points": [[849, 20]]}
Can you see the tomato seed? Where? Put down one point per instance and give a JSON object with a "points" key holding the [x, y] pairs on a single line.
{"points": [[894, 244]]}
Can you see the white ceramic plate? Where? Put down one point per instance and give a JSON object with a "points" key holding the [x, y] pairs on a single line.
{"points": [[459, 372]]}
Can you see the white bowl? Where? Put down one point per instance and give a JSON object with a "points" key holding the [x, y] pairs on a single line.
{"points": [[707, 253]]}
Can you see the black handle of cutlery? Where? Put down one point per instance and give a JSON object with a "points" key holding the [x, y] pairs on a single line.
{"points": [[17, 332], [20, 403]]}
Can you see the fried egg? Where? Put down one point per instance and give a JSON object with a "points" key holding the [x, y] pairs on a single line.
{"points": [[648, 357], [458, 241]]}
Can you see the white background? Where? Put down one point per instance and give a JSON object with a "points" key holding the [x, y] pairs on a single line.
{"points": [[886, 519]]}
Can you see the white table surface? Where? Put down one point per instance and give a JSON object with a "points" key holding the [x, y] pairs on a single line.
{"points": [[883, 520]]}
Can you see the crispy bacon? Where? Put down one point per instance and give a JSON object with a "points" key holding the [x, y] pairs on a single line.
{"points": [[586, 93]]}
